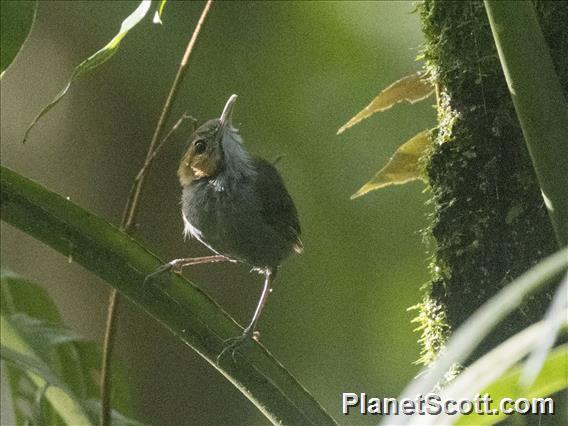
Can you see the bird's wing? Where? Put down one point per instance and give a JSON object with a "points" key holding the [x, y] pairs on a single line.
{"points": [[278, 208]]}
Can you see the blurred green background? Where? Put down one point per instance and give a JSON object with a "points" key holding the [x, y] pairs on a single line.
{"points": [[338, 317]]}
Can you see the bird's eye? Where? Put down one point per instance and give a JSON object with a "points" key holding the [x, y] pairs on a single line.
{"points": [[200, 147]]}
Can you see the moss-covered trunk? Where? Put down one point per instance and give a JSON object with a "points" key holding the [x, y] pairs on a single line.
{"points": [[489, 223]]}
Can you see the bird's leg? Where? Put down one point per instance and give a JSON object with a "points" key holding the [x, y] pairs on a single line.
{"points": [[267, 288], [250, 332], [177, 265]]}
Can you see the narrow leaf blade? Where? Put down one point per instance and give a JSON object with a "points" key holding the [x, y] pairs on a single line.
{"points": [[552, 378], [412, 88], [95, 60], [42, 336], [19, 352], [29, 364], [555, 317], [402, 167], [21, 295], [74, 361]]}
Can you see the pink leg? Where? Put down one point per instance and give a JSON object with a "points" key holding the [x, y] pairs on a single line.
{"points": [[232, 345], [251, 329], [177, 265]]}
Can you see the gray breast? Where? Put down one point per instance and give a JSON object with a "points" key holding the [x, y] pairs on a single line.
{"points": [[228, 217]]}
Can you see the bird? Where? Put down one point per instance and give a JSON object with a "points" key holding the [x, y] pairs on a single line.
{"points": [[237, 205]]}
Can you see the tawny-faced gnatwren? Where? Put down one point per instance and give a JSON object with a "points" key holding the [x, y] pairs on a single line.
{"points": [[236, 204]]}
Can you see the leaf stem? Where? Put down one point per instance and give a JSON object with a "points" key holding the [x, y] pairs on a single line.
{"points": [[129, 217]]}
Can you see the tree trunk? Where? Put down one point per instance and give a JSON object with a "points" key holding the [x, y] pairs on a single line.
{"points": [[489, 223]]}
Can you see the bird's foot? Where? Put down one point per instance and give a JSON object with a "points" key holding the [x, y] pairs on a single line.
{"points": [[173, 266], [233, 344]]}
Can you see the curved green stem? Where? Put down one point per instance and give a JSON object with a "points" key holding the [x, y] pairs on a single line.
{"points": [[176, 303], [539, 101]]}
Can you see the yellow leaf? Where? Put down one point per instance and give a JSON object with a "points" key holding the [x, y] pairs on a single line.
{"points": [[402, 167], [412, 88]]}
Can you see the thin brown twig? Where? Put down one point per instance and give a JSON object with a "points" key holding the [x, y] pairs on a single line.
{"points": [[166, 112], [129, 217], [174, 128]]}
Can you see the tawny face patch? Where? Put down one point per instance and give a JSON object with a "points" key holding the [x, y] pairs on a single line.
{"points": [[203, 157]]}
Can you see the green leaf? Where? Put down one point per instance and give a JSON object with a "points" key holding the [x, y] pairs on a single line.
{"points": [[16, 19], [466, 338], [96, 59], [19, 353], [552, 378], [39, 407], [555, 317], [174, 302], [54, 345], [42, 336], [21, 295], [402, 167], [34, 367], [77, 362], [15, 381], [491, 368], [412, 88], [94, 407], [488, 369], [31, 365], [158, 15]]}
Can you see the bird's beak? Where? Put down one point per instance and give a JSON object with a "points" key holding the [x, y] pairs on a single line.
{"points": [[227, 114]]}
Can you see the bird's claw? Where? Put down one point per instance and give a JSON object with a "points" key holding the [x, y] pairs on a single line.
{"points": [[173, 266], [235, 343]]}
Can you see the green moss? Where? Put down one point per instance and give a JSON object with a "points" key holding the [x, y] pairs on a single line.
{"points": [[489, 223], [433, 326]]}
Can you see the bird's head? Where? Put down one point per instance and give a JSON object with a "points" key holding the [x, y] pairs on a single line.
{"points": [[215, 146]]}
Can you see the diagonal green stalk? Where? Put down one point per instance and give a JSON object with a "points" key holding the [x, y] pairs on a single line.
{"points": [[177, 304], [539, 101]]}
